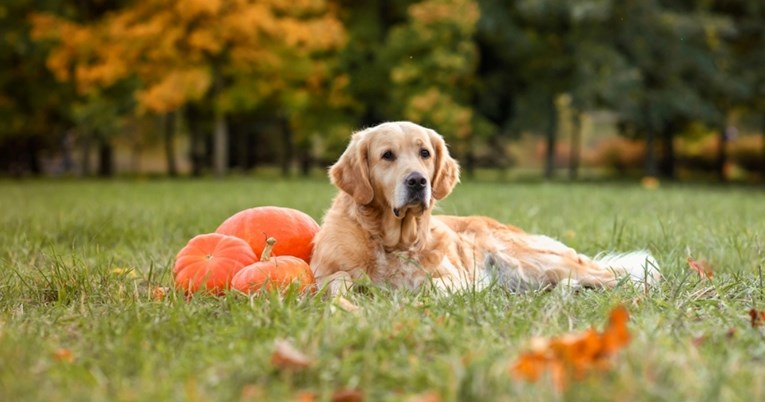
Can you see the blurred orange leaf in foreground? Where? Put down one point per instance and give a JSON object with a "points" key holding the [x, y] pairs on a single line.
{"points": [[702, 267], [63, 355], [574, 355], [758, 318], [286, 356], [347, 395]]}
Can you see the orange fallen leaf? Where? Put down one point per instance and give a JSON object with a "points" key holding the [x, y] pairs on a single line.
{"points": [[305, 396], [251, 392], [286, 356], [699, 340], [159, 293], [63, 355], [757, 318], [347, 395], [574, 355], [430, 396], [730, 333], [701, 267], [650, 183]]}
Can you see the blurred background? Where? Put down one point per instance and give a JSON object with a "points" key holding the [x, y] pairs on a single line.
{"points": [[569, 89]]}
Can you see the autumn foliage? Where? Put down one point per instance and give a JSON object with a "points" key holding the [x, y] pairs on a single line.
{"points": [[573, 356], [183, 50]]}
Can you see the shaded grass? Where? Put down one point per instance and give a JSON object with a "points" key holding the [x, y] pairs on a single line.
{"points": [[80, 259]]}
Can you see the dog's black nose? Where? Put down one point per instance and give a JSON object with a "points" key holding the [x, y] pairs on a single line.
{"points": [[416, 181]]}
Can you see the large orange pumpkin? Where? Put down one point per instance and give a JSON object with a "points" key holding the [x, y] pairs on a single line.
{"points": [[274, 273], [209, 262], [294, 230]]}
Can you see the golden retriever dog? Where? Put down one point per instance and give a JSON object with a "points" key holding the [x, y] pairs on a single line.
{"points": [[380, 228]]}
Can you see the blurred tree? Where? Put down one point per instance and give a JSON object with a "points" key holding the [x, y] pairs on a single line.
{"points": [[534, 52], [97, 112], [33, 109], [433, 59], [669, 45], [362, 59], [544, 51], [746, 41], [232, 54]]}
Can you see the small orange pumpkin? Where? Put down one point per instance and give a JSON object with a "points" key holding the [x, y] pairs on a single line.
{"points": [[209, 262], [276, 272], [294, 229]]}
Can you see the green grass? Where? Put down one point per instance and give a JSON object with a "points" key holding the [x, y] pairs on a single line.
{"points": [[61, 243]]}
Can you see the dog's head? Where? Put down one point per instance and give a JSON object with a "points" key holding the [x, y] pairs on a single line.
{"points": [[401, 166]]}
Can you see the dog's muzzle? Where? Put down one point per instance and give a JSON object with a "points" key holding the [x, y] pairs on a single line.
{"points": [[416, 192]]}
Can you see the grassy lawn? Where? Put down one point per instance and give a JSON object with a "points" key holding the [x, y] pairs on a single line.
{"points": [[79, 261]]}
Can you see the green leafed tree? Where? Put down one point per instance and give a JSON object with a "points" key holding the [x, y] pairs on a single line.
{"points": [[33, 109], [433, 60]]}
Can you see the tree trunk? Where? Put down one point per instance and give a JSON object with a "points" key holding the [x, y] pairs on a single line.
{"points": [[722, 154], [305, 163], [33, 155], [242, 137], [288, 147], [135, 158], [87, 141], [197, 144], [172, 167], [762, 161], [668, 143], [105, 158], [469, 162], [67, 149], [651, 168], [551, 135], [220, 145], [576, 146]]}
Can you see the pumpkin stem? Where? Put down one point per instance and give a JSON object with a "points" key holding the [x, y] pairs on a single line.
{"points": [[267, 250]]}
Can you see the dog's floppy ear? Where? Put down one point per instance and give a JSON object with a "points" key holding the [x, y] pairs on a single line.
{"points": [[447, 173], [351, 172]]}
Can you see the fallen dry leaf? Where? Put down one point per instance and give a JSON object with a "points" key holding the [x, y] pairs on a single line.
{"points": [[63, 355], [347, 395], [699, 340], [650, 183], [305, 396], [731, 333], [701, 267], [286, 356], [159, 293], [430, 396], [757, 318], [346, 304], [251, 392], [574, 355], [127, 272]]}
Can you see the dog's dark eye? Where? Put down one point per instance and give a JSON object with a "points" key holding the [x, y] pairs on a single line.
{"points": [[388, 156], [424, 153]]}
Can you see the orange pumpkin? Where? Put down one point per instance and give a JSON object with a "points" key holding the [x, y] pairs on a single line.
{"points": [[292, 228], [274, 273], [209, 262]]}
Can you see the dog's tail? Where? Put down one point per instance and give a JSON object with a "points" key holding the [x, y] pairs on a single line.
{"points": [[639, 265]]}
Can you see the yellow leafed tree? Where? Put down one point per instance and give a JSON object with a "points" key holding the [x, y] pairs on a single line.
{"points": [[232, 53]]}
